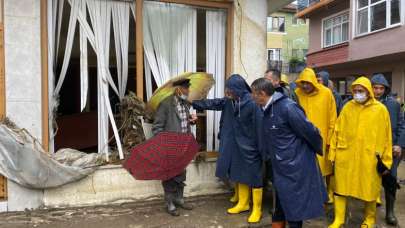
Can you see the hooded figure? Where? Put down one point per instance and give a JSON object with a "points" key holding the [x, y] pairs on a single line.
{"points": [[338, 99], [320, 108], [396, 117], [362, 131], [291, 142], [239, 157]]}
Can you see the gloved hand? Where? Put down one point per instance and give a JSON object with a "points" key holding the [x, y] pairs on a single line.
{"points": [[388, 181], [381, 168]]}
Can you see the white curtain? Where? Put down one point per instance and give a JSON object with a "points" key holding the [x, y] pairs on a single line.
{"points": [[170, 41], [215, 38], [102, 13], [84, 72]]}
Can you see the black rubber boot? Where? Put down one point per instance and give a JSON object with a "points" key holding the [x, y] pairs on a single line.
{"points": [[179, 200], [390, 217], [170, 206]]}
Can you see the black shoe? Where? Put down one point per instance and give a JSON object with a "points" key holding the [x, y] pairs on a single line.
{"points": [[185, 206], [174, 212]]}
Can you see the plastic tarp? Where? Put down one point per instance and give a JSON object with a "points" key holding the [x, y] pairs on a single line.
{"points": [[23, 161]]}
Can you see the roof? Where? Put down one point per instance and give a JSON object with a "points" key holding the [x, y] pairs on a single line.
{"points": [[291, 8], [314, 7], [275, 5]]}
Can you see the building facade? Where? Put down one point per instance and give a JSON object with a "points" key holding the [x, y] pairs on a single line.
{"points": [[26, 86], [287, 39], [350, 38]]}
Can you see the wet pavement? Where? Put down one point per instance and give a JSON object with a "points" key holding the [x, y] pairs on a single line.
{"points": [[210, 211]]}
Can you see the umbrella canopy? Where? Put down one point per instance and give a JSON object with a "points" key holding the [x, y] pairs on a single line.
{"points": [[162, 157], [200, 85]]}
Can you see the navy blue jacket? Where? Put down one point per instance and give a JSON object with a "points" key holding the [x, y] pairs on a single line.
{"points": [[289, 140], [239, 157], [393, 106]]}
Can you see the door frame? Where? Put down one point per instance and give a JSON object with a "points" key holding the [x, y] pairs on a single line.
{"points": [[225, 5]]}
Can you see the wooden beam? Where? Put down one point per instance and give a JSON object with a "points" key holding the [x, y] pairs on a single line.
{"points": [[3, 180], [139, 49], [44, 72], [203, 3], [312, 8], [2, 65], [229, 41]]}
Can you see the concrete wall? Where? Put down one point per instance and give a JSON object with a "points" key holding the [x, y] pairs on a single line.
{"points": [[113, 184], [274, 40], [378, 44], [315, 24], [23, 82], [250, 40]]}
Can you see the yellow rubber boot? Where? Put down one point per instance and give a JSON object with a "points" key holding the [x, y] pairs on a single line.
{"points": [[340, 211], [235, 196], [257, 205], [370, 214], [243, 203]]}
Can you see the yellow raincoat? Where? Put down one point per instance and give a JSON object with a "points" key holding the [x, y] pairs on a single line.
{"points": [[320, 108], [361, 131]]}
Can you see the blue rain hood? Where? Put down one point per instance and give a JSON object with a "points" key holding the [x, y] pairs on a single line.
{"points": [[325, 77], [238, 85], [379, 79]]}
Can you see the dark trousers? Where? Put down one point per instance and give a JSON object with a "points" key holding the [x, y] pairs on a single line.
{"points": [[174, 188], [278, 215]]}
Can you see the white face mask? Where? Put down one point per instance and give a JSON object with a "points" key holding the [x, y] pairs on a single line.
{"points": [[360, 97], [183, 96]]}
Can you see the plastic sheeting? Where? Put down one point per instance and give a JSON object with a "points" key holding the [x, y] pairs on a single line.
{"points": [[23, 161]]}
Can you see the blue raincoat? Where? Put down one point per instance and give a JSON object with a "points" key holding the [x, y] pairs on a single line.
{"points": [[239, 157], [289, 140]]}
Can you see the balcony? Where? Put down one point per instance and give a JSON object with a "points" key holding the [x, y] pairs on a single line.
{"points": [[286, 67]]}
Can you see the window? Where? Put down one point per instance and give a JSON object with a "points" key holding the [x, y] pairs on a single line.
{"points": [[275, 24], [274, 54], [374, 15], [336, 30]]}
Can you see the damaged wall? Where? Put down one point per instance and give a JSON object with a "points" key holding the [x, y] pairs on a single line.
{"points": [[113, 184], [250, 38], [23, 82]]}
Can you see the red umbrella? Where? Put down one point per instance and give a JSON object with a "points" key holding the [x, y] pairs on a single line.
{"points": [[162, 157]]}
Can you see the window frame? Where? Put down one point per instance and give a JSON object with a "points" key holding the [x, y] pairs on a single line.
{"points": [[274, 54], [356, 10], [331, 17], [272, 30]]}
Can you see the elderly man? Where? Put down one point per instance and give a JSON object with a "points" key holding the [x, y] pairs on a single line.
{"points": [[360, 143], [239, 159], [320, 107], [382, 90], [291, 142], [173, 115]]}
